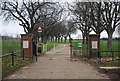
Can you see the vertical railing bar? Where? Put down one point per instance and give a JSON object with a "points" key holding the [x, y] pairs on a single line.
{"points": [[36, 57], [112, 56], [12, 58], [23, 54], [100, 56]]}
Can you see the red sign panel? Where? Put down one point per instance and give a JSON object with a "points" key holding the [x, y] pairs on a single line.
{"points": [[39, 29], [40, 45]]}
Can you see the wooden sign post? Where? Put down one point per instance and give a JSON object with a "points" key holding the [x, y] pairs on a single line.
{"points": [[26, 45], [94, 44]]}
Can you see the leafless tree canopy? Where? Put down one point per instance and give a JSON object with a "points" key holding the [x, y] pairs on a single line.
{"points": [[97, 16], [30, 14], [86, 16]]}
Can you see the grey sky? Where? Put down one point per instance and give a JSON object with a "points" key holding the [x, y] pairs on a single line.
{"points": [[13, 28]]}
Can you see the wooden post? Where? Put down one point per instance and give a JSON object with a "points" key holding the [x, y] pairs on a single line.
{"points": [[94, 44], [26, 45]]}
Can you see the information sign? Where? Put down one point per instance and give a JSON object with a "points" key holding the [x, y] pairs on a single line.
{"points": [[25, 44], [94, 45]]}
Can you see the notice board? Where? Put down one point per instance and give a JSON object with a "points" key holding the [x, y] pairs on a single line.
{"points": [[94, 45], [25, 44]]}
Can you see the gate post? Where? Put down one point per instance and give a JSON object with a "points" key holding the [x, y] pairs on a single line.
{"points": [[94, 44], [26, 45]]}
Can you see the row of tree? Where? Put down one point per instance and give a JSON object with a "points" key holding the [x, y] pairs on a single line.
{"points": [[32, 14], [52, 17], [97, 17]]}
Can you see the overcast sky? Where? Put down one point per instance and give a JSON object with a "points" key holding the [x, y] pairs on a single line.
{"points": [[13, 29]]}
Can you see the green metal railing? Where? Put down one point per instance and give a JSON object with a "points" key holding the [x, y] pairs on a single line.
{"points": [[13, 54]]}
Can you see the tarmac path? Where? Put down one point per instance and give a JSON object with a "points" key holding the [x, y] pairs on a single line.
{"points": [[56, 64]]}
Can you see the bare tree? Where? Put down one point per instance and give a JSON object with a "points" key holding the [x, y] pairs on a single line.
{"points": [[97, 15], [96, 19], [71, 28], [27, 13], [111, 18], [32, 14], [51, 15], [81, 11]]}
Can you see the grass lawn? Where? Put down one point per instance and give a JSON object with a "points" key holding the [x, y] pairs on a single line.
{"points": [[7, 67], [115, 45], [9, 46]]}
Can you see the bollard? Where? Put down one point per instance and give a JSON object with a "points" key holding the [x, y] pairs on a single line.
{"points": [[36, 58], [12, 58]]}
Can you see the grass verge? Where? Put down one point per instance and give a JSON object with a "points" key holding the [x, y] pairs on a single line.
{"points": [[9, 46], [7, 67]]}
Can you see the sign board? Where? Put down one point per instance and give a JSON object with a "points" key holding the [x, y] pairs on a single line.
{"points": [[25, 44], [79, 44], [94, 44], [39, 45], [39, 29]]}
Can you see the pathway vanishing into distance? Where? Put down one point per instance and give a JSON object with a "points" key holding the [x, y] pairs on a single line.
{"points": [[56, 64]]}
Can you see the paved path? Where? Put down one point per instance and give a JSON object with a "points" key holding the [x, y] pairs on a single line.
{"points": [[56, 64]]}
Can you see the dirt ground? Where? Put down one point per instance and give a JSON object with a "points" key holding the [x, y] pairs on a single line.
{"points": [[112, 73], [56, 64]]}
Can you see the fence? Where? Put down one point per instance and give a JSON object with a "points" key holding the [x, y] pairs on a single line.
{"points": [[80, 51], [12, 55], [107, 56]]}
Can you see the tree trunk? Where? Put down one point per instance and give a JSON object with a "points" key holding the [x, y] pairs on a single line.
{"points": [[58, 39], [69, 38], [61, 39], [86, 39], [55, 39], [83, 39], [51, 39], [65, 39], [109, 41]]}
